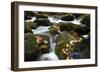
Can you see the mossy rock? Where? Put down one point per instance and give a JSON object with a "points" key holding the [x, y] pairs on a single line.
{"points": [[85, 20], [27, 28], [64, 48], [43, 43], [54, 29], [31, 51], [68, 17], [74, 27], [62, 39], [31, 24], [42, 22]]}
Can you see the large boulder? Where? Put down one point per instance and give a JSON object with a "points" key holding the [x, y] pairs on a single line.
{"points": [[27, 28], [31, 51], [43, 43], [67, 43], [74, 27]]}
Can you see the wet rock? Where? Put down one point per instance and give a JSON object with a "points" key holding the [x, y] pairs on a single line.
{"points": [[31, 24], [28, 15], [68, 17], [85, 20], [27, 28], [85, 48], [42, 22], [54, 29], [43, 43], [81, 30], [31, 51], [85, 54], [62, 39], [67, 45]]}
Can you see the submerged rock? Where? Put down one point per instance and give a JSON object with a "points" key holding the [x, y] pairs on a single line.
{"points": [[31, 51], [68, 17]]}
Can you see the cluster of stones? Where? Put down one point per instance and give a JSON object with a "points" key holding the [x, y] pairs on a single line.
{"points": [[69, 35]]}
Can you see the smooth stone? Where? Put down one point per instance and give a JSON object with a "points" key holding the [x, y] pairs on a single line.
{"points": [[42, 22], [67, 17]]}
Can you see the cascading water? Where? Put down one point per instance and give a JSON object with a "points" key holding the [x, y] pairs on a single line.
{"points": [[45, 31], [51, 55]]}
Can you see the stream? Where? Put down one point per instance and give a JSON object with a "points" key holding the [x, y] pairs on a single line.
{"points": [[45, 31]]}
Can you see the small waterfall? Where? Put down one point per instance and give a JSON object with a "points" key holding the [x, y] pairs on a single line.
{"points": [[52, 43], [51, 55]]}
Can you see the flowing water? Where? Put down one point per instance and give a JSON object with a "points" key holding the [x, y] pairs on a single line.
{"points": [[45, 31]]}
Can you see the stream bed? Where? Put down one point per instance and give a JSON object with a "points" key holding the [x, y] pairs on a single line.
{"points": [[56, 36]]}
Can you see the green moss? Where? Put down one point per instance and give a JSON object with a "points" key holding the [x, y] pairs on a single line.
{"points": [[62, 39], [31, 51], [74, 27]]}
